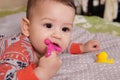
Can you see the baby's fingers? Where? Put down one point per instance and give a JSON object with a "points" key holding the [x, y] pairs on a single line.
{"points": [[95, 47]]}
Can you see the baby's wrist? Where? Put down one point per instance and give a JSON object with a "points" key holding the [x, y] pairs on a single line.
{"points": [[82, 48], [41, 74]]}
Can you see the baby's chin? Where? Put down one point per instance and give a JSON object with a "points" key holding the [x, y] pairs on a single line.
{"points": [[40, 53]]}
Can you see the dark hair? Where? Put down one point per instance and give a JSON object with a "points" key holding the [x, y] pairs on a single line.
{"points": [[31, 3]]}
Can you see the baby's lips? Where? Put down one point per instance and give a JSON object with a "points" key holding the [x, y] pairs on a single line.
{"points": [[58, 53], [59, 49], [51, 46]]}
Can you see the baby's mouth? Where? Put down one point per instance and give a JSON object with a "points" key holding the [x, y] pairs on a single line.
{"points": [[57, 45], [52, 46], [58, 48]]}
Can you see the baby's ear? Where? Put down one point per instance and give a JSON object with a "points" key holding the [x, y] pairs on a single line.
{"points": [[25, 27]]}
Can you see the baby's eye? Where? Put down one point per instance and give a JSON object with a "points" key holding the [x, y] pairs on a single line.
{"points": [[48, 25], [65, 29]]}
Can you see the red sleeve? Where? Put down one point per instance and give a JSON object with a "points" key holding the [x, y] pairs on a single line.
{"points": [[27, 73], [75, 48]]}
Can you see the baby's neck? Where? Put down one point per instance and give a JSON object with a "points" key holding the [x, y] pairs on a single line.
{"points": [[36, 58]]}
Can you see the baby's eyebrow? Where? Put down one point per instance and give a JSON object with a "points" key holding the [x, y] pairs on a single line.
{"points": [[48, 19]]}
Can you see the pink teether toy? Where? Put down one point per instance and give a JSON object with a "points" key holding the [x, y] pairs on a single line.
{"points": [[51, 47]]}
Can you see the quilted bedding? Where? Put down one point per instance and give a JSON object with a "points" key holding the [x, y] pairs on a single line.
{"points": [[84, 67]]}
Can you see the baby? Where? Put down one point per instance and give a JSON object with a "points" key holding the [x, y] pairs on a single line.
{"points": [[24, 57]]}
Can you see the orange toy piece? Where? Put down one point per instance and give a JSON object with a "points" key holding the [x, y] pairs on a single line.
{"points": [[102, 57]]}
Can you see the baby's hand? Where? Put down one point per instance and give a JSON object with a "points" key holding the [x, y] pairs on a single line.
{"points": [[48, 66], [90, 46]]}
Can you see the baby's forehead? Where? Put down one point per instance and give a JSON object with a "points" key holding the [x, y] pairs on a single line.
{"points": [[40, 4], [37, 3]]}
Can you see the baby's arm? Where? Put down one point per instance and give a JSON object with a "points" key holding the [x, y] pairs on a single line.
{"points": [[90, 46]]}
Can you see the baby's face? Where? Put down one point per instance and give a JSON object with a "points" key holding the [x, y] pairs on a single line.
{"points": [[51, 20]]}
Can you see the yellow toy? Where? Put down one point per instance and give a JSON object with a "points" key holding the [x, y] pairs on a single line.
{"points": [[102, 57]]}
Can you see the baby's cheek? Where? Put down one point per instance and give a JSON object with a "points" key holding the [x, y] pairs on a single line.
{"points": [[66, 41], [65, 45]]}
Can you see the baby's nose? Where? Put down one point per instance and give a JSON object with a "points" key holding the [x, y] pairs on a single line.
{"points": [[57, 34]]}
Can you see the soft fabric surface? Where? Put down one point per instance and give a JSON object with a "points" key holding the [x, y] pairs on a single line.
{"points": [[11, 24], [84, 67], [96, 24]]}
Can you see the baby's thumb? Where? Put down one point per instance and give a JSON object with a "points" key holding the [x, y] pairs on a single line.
{"points": [[54, 54]]}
